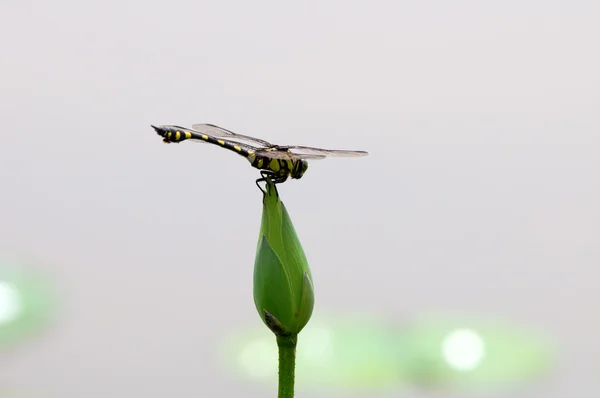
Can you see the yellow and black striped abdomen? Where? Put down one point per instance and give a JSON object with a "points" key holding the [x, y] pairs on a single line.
{"points": [[177, 134]]}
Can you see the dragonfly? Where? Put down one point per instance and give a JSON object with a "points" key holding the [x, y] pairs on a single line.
{"points": [[275, 162]]}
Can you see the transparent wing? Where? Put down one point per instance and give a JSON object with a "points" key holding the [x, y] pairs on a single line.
{"points": [[284, 154], [243, 146], [302, 151], [196, 138], [220, 132]]}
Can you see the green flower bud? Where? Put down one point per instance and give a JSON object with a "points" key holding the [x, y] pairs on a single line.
{"points": [[283, 288]]}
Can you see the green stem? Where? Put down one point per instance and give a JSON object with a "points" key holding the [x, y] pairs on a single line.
{"points": [[287, 364]]}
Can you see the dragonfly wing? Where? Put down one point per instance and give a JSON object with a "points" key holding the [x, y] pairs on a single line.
{"points": [[220, 132], [283, 154], [302, 151]]}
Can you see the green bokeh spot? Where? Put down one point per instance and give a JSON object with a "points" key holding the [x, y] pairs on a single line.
{"points": [[26, 304], [361, 353]]}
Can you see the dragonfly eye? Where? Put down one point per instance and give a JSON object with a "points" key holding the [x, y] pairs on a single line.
{"points": [[300, 168]]}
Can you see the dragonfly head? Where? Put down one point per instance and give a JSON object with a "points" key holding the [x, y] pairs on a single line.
{"points": [[299, 168]]}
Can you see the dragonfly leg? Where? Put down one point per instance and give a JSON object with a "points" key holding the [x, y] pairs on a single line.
{"points": [[276, 179], [258, 184], [264, 176]]}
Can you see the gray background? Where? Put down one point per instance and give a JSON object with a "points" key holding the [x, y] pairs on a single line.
{"points": [[480, 194]]}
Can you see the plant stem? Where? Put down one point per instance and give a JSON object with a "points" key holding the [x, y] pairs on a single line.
{"points": [[287, 364]]}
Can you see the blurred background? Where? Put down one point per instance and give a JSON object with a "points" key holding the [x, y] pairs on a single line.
{"points": [[127, 264]]}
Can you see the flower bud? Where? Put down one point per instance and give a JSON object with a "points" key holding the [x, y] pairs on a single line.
{"points": [[283, 288]]}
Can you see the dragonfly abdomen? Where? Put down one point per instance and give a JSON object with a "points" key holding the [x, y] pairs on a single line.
{"points": [[178, 134], [225, 144]]}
